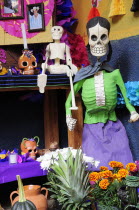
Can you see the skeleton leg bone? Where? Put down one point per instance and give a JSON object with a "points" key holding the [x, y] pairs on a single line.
{"points": [[74, 107], [42, 79]]}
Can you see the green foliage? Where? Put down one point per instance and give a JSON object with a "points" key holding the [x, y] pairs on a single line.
{"points": [[69, 183], [108, 198]]}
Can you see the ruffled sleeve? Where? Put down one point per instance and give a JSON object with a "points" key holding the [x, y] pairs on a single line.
{"points": [[120, 83]]}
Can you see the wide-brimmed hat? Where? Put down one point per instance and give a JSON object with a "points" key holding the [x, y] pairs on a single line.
{"points": [[34, 8]]}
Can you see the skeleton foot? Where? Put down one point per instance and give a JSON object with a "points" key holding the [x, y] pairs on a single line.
{"points": [[41, 82]]}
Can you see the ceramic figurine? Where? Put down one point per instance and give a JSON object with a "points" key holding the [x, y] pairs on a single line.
{"points": [[27, 62], [30, 146], [104, 137], [34, 193]]}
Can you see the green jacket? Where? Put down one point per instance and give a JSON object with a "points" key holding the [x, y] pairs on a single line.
{"points": [[94, 113]]}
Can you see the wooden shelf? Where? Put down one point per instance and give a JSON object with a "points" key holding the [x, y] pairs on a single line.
{"points": [[51, 128]]}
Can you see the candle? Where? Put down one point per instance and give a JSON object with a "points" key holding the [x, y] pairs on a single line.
{"points": [[13, 158], [24, 35]]}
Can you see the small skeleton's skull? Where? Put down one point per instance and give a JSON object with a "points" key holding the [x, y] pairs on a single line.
{"points": [[57, 32], [32, 149], [27, 62], [29, 146], [98, 40]]}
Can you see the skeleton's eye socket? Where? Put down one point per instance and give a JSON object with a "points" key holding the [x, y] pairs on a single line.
{"points": [[103, 37], [58, 29], [33, 63], [35, 150], [94, 38], [54, 29], [30, 150], [25, 63]]}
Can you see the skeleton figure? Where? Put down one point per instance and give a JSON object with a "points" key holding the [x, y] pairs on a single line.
{"points": [[104, 136], [56, 51]]}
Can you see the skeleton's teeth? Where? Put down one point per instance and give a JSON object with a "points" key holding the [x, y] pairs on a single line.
{"points": [[99, 50]]}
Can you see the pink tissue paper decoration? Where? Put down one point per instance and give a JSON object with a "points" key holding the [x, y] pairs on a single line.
{"points": [[13, 27], [78, 50], [2, 55]]}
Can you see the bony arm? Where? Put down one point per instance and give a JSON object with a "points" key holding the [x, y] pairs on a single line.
{"points": [[68, 56], [71, 122], [73, 69], [45, 65], [134, 117]]}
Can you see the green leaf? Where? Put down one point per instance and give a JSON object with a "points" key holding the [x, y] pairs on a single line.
{"points": [[64, 181], [69, 181], [58, 170]]}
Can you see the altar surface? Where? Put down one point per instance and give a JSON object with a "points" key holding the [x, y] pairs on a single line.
{"points": [[8, 171]]}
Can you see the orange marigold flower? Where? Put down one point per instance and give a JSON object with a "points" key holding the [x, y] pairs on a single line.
{"points": [[103, 168], [131, 167], [116, 164], [106, 174], [123, 172], [94, 176], [117, 176], [104, 183]]}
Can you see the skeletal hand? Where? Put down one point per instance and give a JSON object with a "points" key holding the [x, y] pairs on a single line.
{"points": [[134, 117], [69, 72], [72, 70], [70, 122]]}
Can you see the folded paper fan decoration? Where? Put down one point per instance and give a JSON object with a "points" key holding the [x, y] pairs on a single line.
{"points": [[135, 6], [93, 11], [117, 8]]}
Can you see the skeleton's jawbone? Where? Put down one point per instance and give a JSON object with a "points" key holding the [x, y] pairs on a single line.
{"points": [[97, 53]]}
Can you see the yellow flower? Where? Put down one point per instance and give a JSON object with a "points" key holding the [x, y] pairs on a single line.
{"points": [[116, 164], [94, 176], [117, 176], [104, 183], [106, 174], [131, 167], [123, 172], [103, 168]]}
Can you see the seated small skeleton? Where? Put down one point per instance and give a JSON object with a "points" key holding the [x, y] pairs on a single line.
{"points": [[58, 51]]}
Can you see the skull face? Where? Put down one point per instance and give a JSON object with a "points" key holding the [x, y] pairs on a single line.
{"points": [[27, 62], [98, 40], [57, 32], [29, 146]]}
